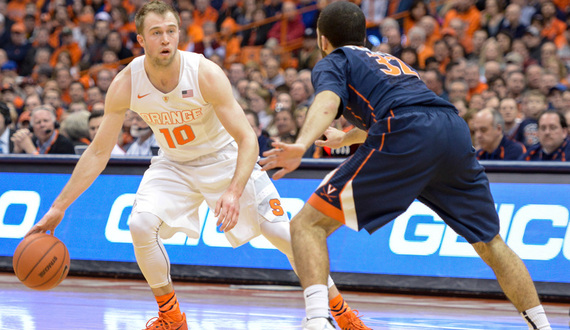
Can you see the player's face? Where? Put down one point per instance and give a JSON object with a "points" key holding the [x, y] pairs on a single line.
{"points": [[160, 38], [550, 132]]}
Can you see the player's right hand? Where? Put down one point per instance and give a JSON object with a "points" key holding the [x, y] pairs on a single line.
{"points": [[283, 155], [335, 139], [48, 223]]}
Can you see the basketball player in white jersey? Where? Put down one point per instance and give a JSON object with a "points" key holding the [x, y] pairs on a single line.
{"points": [[204, 136]]}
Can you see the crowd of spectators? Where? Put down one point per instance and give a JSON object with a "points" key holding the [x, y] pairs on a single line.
{"points": [[503, 64]]}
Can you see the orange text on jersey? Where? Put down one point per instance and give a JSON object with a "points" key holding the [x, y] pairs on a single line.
{"points": [[172, 117]]}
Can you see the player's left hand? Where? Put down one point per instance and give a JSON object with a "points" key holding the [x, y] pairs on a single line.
{"points": [[227, 211], [286, 156]]}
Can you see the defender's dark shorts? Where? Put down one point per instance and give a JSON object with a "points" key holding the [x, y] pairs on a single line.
{"points": [[419, 152]]}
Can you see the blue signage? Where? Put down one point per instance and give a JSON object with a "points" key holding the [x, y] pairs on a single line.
{"points": [[534, 223]]}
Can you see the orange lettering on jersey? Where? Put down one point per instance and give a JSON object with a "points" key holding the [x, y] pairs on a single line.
{"points": [[172, 117], [165, 118], [276, 206]]}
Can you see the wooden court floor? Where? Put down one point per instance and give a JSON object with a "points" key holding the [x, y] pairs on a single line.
{"points": [[108, 304]]}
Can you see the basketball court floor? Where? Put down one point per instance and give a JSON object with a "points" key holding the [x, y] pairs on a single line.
{"points": [[113, 304]]}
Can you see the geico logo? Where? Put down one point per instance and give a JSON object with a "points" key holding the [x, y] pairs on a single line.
{"points": [[17, 228], [437, 236], [209, 233]]}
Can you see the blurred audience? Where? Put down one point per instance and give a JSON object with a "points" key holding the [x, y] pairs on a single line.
{"points": [[502, 64]]}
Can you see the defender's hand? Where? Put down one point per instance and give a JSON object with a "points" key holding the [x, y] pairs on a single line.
{"points": [[286, 156], [335, 139]]}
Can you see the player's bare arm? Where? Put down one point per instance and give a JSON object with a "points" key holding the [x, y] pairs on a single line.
{"points": [[336, 138], [95, 158], [216, 90], [319, 117]]}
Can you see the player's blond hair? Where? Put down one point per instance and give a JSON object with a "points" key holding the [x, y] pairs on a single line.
{"points": [[156, 6]]}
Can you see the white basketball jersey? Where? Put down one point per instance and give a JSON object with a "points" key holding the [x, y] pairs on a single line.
{"points": [[184, 125]]}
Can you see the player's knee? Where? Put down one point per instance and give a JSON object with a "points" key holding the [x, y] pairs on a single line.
{"points": [[487, 250], [308, 218], [143, 228]]}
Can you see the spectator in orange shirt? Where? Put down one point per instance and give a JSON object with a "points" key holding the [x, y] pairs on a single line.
{"points": [[125, 4], [441, 54], [191, 33], [553, 28], [473, 79], [120, 22], [431, 28], [64, 79], [463, 38], [229, 9], [418, 9], [417, 40], [204, 13], [67, 45], [16, 9], [59, 20], [466, 11], [230, 41]]}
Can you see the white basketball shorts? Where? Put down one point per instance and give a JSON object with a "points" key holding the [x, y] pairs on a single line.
{"points": [[174, 191]]}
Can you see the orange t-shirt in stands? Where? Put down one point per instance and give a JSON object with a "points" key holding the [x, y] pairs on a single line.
{"points": [[472, 17]]}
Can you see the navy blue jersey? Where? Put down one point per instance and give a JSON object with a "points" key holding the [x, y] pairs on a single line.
{"points": [[507, 150], [370, 84]]}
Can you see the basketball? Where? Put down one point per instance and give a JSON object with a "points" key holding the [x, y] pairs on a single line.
{"points": [[41, 261]]}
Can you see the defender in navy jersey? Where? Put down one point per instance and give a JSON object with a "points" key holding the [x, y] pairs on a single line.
{"points": [[414, 145]]}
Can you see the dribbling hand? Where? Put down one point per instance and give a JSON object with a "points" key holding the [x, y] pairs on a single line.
{"points": [[286, 156], [48, 223]]}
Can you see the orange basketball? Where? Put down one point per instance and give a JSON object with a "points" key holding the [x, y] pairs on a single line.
{"points": [[41, 261]]}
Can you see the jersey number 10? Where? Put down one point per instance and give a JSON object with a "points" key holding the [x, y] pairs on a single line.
{"points": [[182, 134]]}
